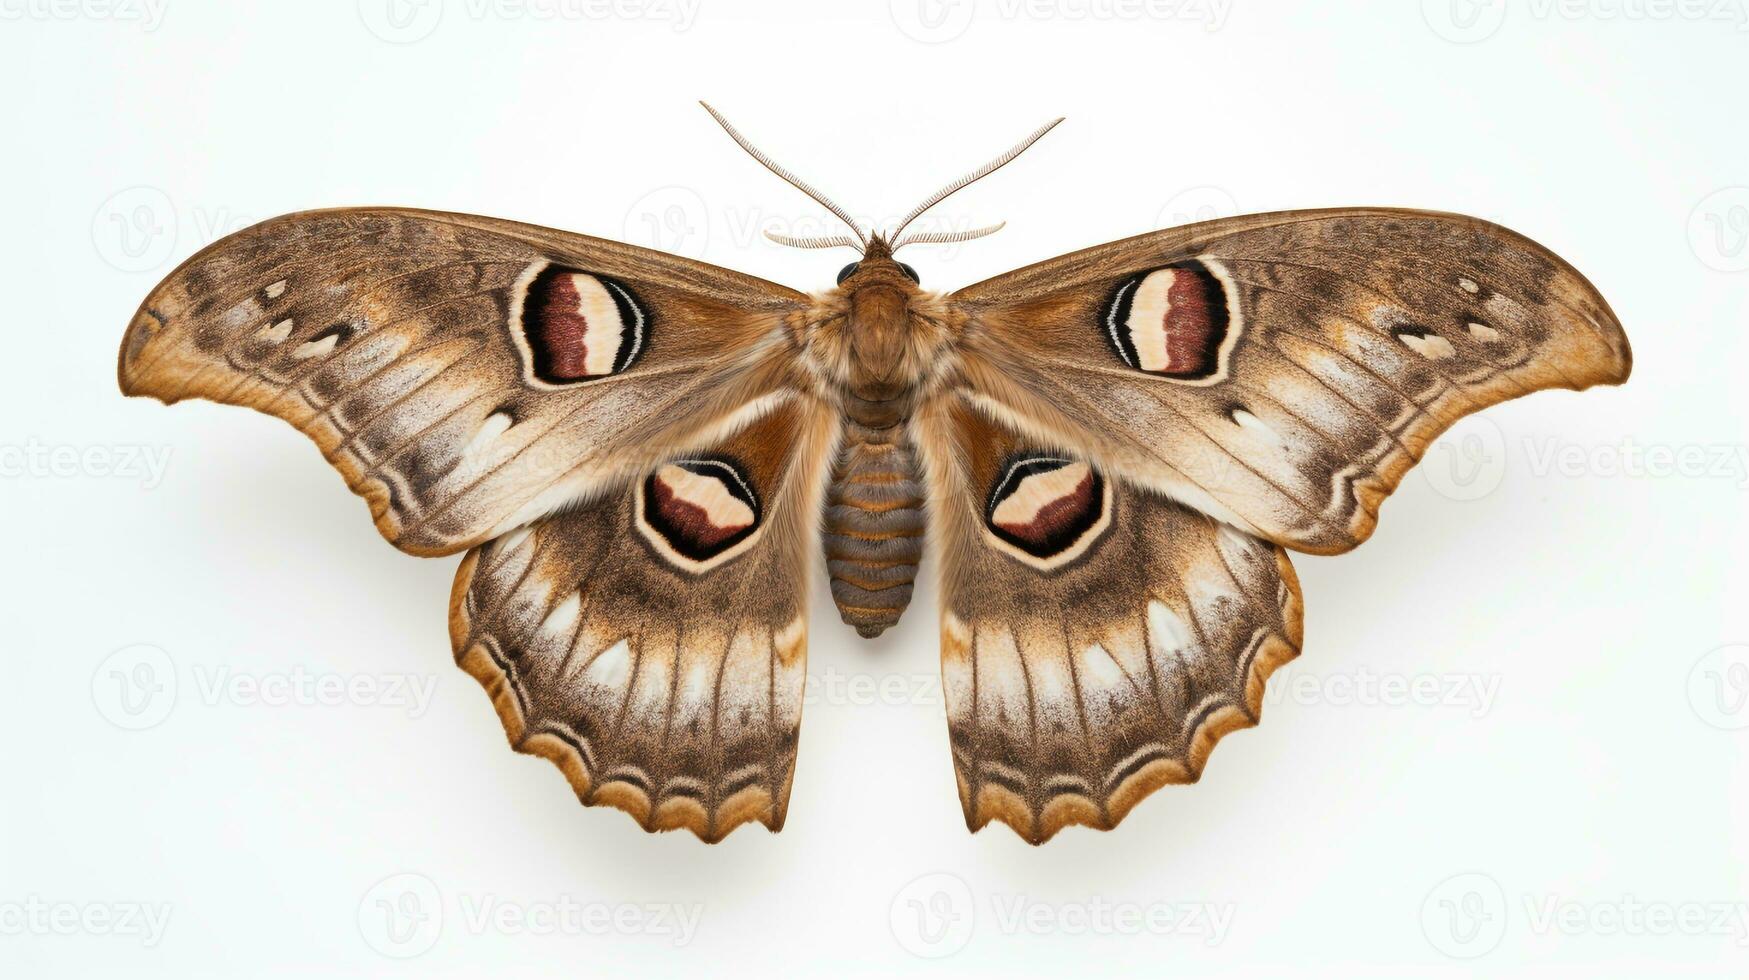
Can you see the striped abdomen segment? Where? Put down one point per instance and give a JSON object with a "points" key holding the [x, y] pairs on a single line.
{"points": [[874, 526]]}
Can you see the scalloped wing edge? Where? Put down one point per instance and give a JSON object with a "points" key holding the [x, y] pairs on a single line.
{"points": [[997, 803], [754, 803]]}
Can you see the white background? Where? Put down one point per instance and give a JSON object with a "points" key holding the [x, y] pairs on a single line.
{"points": [[1517, 739]]}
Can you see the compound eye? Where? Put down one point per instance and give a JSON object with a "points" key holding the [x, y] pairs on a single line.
{"points": [[846, 272], [907, 270]]}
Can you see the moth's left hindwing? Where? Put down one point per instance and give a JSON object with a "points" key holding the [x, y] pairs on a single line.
{"points": [[464, 374], [1097, 638], [651, 643]]}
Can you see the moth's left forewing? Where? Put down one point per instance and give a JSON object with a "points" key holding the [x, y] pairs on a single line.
{"points": [[651, 643], [1282, 372], [1098, 639]]}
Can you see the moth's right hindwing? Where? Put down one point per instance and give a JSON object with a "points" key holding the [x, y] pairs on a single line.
{"points": [[1097, 638], [465, 374], [652, 643]]}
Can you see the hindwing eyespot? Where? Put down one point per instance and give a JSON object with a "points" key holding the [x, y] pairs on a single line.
{"points": [[1046, 509], [697, 512]]}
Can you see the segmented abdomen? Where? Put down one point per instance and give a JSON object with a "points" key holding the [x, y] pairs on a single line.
{"points": [[874, 526]]}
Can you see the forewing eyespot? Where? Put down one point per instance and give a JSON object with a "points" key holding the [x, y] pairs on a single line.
{"points": [[1172, 321], [578, 326]]}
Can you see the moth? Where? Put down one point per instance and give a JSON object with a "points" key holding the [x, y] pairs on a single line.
{"points": [[644, 457]]}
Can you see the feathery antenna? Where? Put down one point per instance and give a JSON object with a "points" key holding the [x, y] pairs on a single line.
{"points": [[796, 182], [861, 241], [828, 241], [948, 237], [975, 176]]}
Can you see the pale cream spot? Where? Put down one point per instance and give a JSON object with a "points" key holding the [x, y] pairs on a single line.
{"points": [[1484, 333], [1099, 670], [746, 673], [612, 668], [317, 348], [495, 425], [1002, 690], [1037, 492], [1431, 346], [602, 329], [1051, 682], [652, 684], [277, 333], [1166, 632], [560, 621], [1469, 285], [707, 493], [275, 290], [1256, 426], [956, 685], [1147, 323], [698, 685]]}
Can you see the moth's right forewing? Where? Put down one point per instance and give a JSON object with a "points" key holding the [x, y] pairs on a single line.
{"points": [[464, 374]]}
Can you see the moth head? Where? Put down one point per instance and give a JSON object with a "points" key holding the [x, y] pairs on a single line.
{"points": [[877, 249], [877, 265]]}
